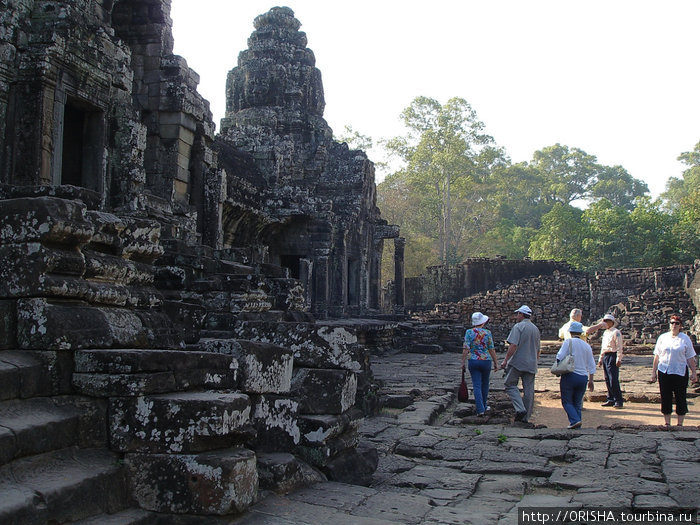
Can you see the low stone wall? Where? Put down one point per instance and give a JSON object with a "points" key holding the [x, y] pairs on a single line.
{"points": [[641, 299], [441, 284], [550, 297], [613, 286]]}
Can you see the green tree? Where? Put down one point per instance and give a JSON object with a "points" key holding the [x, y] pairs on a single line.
{"points": [[679, 188], [516, 194], [651, 242], [615, 184], [354, 139], [687, 227], [682, 198], [568, 173], [605, 228], [506, 239], [447, 156], [559, 238]]}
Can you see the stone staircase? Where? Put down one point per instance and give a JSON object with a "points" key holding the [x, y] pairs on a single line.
{"points": [[54, 463], [134, 393]]}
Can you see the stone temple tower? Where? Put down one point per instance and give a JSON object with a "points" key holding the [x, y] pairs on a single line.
{"points": [[319, 214]]}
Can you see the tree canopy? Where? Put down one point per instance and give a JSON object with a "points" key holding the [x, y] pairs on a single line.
{"points": [[456, 194]]}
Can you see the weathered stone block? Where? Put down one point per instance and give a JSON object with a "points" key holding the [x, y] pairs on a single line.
{"points": [[140, 240], [282, 472], [316, 430], [28, 262], [275, 419], [222, 482], [187, 316], [44, 219], [62, 326], [354, 466], [133, 361], [313, 345], [321, 455], [116, 269], [264, 368], [26, 373], [324, 391], [180, 422], [123, 385]]}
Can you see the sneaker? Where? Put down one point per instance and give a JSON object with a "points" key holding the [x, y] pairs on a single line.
{"points": [[619, 406], [574, 425], [488, 409], [608, 404]]}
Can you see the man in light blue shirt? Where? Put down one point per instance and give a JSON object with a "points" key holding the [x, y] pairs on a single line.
{"points": [[520, 363]]}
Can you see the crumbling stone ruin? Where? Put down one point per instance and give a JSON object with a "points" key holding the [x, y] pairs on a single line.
{"points": [[165, 293], [174, 303], [641, 299]]}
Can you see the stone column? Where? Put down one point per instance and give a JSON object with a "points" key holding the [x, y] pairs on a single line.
{"points": [[375, 275], [399, 290], [306, 267], [321, 289]]}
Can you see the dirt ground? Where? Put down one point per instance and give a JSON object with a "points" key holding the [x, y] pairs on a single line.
{"points": [[549, 412]]}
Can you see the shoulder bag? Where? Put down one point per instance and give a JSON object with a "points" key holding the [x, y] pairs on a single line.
{"points": [[566, 365], [463, 392]]}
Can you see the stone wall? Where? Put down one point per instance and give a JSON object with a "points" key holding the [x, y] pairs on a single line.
{"points": [[550, 297], [644, 298], [440, 284], [641, 299]]}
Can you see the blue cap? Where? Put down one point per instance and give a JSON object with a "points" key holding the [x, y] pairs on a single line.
{"points": [[575, 328]]}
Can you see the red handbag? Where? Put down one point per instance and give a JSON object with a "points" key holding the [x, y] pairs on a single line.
{"points": [[463, 393]]}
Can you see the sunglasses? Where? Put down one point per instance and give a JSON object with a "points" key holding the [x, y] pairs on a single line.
{"points": [[675, 322]]}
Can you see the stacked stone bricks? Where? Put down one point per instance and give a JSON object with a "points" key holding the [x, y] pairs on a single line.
{"points": [[550, 297]]}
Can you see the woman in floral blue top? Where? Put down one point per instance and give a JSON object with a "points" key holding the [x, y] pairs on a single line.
{"points": [[478, 345]]}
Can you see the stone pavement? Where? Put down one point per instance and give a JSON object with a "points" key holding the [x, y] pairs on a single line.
{"points": [[440, 464]]}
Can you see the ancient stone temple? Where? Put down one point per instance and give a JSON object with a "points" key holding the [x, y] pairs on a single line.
{"points": [[318, 216], [163, 290]]}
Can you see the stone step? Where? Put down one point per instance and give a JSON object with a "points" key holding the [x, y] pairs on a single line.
{"points": [[220, 482], [132, 361], [38, 425], [125, 517], [264, 368], [228, 282], [61, 486], [27, 373], [182, 422], [135, 372], [283, 472]]}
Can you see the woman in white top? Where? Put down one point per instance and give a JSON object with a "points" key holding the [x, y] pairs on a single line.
{"points": [[674, 355], [572, 386]]}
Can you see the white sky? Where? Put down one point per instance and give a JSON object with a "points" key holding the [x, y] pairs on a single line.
{"points": [[619, 79]]}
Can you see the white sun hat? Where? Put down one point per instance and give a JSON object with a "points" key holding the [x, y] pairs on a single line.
{"points": [[479, 318], [524, 310]]}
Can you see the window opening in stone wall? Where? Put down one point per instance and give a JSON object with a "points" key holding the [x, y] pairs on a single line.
{"points": [[82, 144], [293, 262], [72, 156]]}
